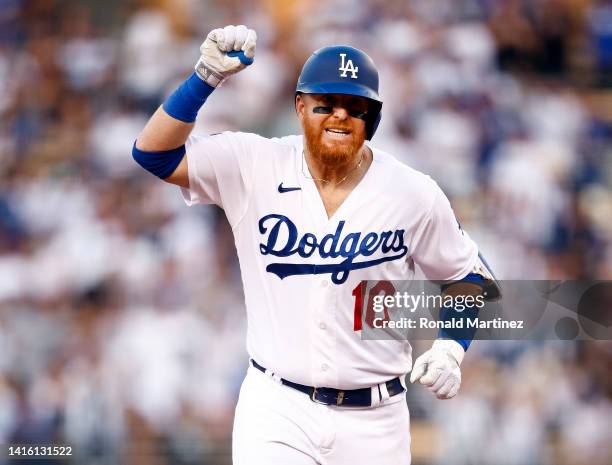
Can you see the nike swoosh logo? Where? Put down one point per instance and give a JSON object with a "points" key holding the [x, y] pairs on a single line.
{"points": [[282, 189]]}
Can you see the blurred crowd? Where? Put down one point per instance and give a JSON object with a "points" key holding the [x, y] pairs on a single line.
{"points": [[121, 310]]}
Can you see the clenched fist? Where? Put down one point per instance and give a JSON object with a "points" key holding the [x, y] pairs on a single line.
{"points": [[225, 52], [438, 368]]}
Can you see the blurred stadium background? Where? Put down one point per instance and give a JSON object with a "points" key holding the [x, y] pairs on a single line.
{"points": [[121, 310]]}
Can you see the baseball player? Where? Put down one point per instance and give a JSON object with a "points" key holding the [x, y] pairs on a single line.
{"points": [[313, 216]]}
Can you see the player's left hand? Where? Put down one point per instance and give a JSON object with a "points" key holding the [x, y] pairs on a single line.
{"points": [[438, 368]]}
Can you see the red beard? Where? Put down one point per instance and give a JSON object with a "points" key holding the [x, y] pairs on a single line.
{"points": [[331, 152]]}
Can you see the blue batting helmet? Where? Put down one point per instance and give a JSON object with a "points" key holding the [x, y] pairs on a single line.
{"points": [[342, 69]]}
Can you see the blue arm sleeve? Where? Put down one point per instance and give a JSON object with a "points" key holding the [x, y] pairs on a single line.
{"points": [[161, 164], [183, 105]]}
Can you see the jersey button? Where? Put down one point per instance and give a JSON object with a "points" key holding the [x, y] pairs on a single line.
{"points": [[325, 367], [322, 325]]}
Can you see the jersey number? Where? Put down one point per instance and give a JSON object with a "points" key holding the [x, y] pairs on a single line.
{"points": [[382, 286]]}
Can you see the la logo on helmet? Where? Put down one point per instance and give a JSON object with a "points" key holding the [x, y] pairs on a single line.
{"points": [[347, 67]]}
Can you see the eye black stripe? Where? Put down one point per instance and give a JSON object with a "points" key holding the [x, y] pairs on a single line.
{"points": [[358, 114], [353, 113]]}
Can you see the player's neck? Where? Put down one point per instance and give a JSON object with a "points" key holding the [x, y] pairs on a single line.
{"points": [[328, 175]]}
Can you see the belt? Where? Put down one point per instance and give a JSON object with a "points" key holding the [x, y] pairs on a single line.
{"points": [[330, 396]]}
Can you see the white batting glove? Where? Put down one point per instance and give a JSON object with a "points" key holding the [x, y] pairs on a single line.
{"points": [[225, 52], [438, 368]]}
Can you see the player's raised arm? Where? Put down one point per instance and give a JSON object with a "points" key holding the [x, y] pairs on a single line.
{"points": [[160, 148]]}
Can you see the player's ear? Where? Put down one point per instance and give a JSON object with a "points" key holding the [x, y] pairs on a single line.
{"points": [[299, 105]]}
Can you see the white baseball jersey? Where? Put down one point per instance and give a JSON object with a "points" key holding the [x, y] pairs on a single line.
{"points": [[300, 268]]}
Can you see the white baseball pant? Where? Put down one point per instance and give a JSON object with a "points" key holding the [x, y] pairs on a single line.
{"points": [[275, 424]]}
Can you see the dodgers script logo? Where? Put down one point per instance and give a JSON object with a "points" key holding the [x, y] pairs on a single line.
{"points": [[347, 67], [350, 246]]}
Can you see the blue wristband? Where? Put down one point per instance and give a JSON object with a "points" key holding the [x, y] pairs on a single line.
{"points": [[162, 164], [463, 335], [186, 101]]}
